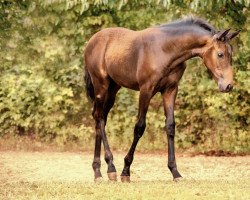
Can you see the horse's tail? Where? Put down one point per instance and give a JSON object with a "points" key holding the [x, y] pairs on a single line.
{"points": [[89, 86]]}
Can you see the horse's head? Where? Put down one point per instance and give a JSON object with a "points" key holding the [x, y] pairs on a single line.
{"points": [[218, 59]]}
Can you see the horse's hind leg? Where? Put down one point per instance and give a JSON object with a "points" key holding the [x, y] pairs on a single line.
{"points": [[98, 139], [110, 98], [109, 102], [101, 91], [97, 161]]}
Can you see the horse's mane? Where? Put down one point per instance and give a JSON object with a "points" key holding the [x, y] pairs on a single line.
{"points": [[191, 21]]}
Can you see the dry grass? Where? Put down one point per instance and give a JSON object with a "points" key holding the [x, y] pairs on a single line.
{"points": [[49, 175]]}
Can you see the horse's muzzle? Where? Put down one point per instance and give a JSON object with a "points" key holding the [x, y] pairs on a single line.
{"points": [[225, 88]]}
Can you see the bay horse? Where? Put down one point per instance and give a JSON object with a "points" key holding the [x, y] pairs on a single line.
{"points": [[149, 61]]}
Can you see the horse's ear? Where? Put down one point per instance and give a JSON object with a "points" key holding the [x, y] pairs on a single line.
{"points": [[233, 34], [221, 35]]}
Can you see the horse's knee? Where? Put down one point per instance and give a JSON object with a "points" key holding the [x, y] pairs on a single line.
{"points": [[139, 128], [170, 127]]}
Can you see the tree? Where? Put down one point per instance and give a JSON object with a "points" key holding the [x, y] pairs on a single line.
{"points": [[41, 86]]}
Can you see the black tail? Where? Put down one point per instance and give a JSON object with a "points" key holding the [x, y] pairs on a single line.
{"points": [[89, 86]]}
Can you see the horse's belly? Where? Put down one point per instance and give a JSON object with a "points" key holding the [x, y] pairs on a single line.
{"points": [[123, 76]]}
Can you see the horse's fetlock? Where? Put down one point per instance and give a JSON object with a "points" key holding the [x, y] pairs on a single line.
{"points": [[172, 165], [96, 164], [108, 157]]}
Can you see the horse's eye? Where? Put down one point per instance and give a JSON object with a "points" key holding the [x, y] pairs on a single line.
{"points": [[220, 55]]}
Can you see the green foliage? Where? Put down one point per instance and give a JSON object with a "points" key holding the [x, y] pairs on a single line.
{"points": [[41, 85]]}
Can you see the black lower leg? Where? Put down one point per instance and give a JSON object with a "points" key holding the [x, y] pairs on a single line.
{"points": [[97, 161], [169, 96], [138, 132], [171, 152], [108, 154], [96, 165]]}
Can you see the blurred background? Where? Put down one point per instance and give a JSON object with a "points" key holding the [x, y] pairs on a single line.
{"points": [[42, 95]]}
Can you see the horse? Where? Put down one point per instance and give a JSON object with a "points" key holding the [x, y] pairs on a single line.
{"points": [[149, 61]]}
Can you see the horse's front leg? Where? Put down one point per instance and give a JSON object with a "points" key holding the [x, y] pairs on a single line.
{"points": [[169, 96], [144, 99]]}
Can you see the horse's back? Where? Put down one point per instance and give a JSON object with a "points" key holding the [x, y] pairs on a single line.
{"points": [[102, 38]]}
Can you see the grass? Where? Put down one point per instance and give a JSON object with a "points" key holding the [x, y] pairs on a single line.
{"points": [[52, 175], [136, 190]]}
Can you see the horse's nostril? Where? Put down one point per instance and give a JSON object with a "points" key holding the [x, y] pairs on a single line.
{"points": [[229, 87]]}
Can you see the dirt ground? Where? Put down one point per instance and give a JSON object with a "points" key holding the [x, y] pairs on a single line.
{"points": [[43, 166], [67, 168]]}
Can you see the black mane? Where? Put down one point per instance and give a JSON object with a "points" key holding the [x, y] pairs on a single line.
{"points": [[197, 22]]}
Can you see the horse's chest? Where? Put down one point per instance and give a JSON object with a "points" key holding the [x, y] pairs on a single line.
{"points": [[171, 79]]}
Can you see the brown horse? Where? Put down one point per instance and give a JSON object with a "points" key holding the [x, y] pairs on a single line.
{"points": [[150, 61]]}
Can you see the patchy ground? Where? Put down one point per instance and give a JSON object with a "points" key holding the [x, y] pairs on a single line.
{"points": [[49, 175]]}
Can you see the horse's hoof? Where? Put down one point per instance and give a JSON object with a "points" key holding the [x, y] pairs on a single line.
{"points": [[125, 179], [98, 180], [112, 176], [178, 179]]}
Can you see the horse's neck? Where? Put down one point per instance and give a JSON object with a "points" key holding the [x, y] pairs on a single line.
{"points": [[186, 47]]}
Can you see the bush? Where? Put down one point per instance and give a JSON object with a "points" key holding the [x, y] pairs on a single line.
{"points": [[41, 84]]}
